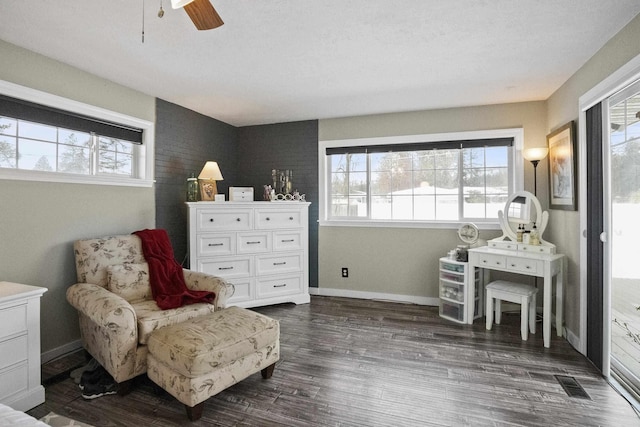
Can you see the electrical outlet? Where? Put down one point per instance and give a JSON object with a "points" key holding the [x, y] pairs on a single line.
{"points": [[345, 272]]}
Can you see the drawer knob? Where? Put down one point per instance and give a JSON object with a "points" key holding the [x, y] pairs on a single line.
{"points": [[290, 218], [268, 219], [484, 261], [287, 241], [513, 265], [238, 219], [528, 267], [210, 219], [280, 286], [280, 263]]}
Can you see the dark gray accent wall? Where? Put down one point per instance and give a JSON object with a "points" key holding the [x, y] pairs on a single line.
{"points": [[291, 146], [185, 140]]}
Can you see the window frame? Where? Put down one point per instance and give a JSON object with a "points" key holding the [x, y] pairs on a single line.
{"points": [[516, 178], [143, 166]]}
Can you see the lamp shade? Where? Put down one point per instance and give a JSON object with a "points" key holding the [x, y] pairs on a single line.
{"points": [[211, 171], [535, 154], [177, 4]]}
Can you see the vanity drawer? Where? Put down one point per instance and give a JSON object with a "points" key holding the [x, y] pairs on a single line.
{"points": [[529, 266], [510, 246], [210, 220], [226, 267], [216, 244], [254, 242], [499, 261], [537, 249], [269, 219]]}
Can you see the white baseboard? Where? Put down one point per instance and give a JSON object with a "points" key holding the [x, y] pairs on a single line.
{"points": [[50, 355], [410, 299], [573, 339]]}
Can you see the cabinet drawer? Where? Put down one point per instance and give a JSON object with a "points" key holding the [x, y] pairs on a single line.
{"points": [[209, 220], [226, 267], [523, 265], [499, 261], [244, 291], [452, 310], [279, 286], [537, 249], [216, 244], [511, 246], [13, 320], [452, 277], [13, 351], [14, 381], [451, 291], [268, 219], [281, 263], [254, 242], [287, 241]]}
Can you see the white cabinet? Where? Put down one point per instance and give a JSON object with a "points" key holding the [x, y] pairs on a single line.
{"points": [[461, 291], [260, 247], [20, 385]]}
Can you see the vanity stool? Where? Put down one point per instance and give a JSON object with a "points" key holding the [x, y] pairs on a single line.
{"points": [[517, 293], [200, 357]]}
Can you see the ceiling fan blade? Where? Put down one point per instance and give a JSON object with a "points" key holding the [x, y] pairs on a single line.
{"points": [[203, 15]]}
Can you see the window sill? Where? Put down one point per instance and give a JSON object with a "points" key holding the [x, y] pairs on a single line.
{"points": [[452, 225], [24, 175]]}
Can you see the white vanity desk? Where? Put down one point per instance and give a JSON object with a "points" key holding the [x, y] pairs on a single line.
{"points": [[542, 265], [506, 253]]}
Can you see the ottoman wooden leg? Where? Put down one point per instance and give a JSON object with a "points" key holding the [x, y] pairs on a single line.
{"points": [[268, 371], [194, 413]]}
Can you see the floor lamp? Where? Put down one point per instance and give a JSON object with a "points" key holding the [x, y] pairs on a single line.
{"points": [[534, 155]]}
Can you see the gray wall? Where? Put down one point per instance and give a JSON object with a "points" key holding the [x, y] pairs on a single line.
{"points": [[40, 220], [291, 146], [185, 140]]}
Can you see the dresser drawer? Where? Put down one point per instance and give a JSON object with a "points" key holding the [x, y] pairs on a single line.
{"points": [[510, 246], [14, 381], [492, 260], [216, 244], [226, 267], [280, 263], [13, 320], [254, 242], [524, 265], [210, 220], [269, 219], [244, 290], [279, 286], [287, 241], [13, 351]]}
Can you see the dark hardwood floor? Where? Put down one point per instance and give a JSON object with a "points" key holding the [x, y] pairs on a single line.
{"points": [[349, 362]]}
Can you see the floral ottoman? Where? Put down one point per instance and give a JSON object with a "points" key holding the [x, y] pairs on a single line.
{"points": [[200, 357]]}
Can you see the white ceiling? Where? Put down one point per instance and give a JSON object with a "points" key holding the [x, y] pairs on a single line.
{"points": [[287, 60]]}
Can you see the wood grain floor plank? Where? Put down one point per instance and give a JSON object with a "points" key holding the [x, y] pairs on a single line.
{"points": [[349, 362]]}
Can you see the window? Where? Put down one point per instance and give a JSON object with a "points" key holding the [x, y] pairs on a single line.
{"points": [[420, 179], [70, 142]]}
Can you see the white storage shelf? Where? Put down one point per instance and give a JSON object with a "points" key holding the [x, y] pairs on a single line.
{"points": [[260, 247], [460, 291]]}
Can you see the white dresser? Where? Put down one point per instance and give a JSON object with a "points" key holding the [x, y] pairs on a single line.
{"points": [[260, 247], [20, 385]]}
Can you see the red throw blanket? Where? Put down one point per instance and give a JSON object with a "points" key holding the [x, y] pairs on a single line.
{"points": [[165, 274]]}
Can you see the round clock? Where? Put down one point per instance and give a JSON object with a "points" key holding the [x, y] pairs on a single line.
{"points": [[468, 233]]}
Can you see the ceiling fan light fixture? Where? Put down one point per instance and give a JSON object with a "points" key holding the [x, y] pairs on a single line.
{"points": [[177, 4]]}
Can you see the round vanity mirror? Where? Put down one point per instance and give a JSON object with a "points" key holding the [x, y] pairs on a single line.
{"points": [[522, 207]]}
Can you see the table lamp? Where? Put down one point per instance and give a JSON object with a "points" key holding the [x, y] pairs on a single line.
{"points": [[208, 176]]}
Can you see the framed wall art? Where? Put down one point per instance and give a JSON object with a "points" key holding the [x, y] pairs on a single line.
{"points": [[562, 168]]}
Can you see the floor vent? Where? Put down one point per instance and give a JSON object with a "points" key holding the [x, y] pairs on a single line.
{"points": [[572, 387]]}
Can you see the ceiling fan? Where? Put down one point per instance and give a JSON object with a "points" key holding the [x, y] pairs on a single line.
{"points": [[201, 12]]}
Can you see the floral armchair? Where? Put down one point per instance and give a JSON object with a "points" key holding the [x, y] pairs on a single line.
{"points": [[116, 311]]}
